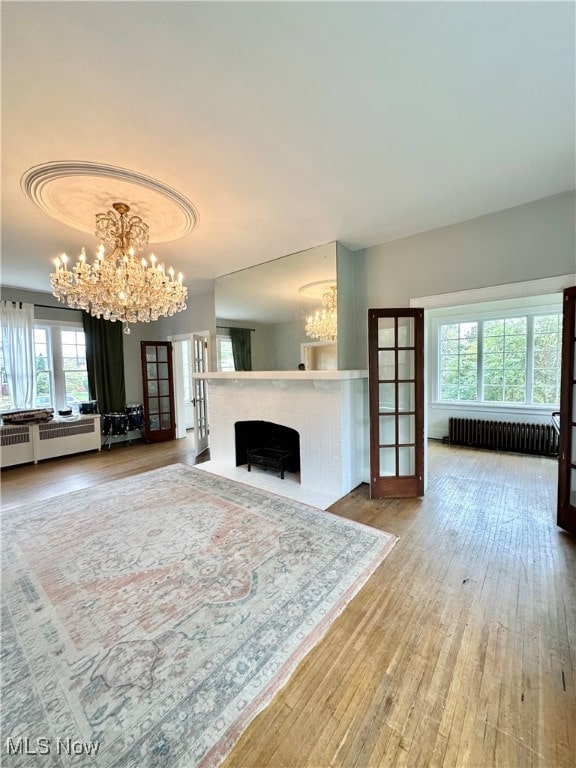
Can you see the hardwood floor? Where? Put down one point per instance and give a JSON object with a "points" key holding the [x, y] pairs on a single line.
{"points": [[459, 651]]}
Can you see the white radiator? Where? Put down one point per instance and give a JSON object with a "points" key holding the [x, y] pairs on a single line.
{"points": [[34, 442]]}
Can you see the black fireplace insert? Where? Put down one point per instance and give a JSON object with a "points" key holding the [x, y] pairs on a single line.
{"points": [[265, 436]]}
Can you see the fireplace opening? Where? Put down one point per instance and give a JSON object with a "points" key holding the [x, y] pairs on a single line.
{"points": [[261, 442]]}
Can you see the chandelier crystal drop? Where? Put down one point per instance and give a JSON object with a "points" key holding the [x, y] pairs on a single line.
{"points": [[323, 324], [118, 285]]}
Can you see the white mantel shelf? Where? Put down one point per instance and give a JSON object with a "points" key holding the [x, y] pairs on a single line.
{"points": [[278, 375]]}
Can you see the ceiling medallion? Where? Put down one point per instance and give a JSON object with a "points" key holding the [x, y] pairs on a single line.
{"points": [[70, 192]]}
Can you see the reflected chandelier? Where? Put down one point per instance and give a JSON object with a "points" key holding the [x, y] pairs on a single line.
{"points": [[117, 285], [323, 324]]}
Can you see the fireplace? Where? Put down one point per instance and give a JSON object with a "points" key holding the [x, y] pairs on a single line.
{"points": [[327, 410], [257, 434]]}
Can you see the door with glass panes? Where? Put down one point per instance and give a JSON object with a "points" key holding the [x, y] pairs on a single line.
{"points": [[396, 396], [200, 343], [158, 391], [567, 460]]}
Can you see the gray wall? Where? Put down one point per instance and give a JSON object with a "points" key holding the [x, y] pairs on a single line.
{"points": [[199, 316], [529, 242], [286, 340], [350, 353], [261, 340], [275, 346], [59, 313]]}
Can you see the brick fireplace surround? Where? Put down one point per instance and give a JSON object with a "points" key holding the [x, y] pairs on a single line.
{"points": [[328, 409]]}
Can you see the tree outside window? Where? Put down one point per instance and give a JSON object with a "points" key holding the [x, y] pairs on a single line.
{"points": [[546, 370], [43, 359], [74, 366], [458, 361], [504, 360], [519, 361]]}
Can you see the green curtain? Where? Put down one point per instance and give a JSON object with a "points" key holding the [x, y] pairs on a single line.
{"points": [[105, 363], [241, 348]]}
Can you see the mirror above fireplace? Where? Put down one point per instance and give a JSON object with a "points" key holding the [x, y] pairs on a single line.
{"points": [[268, 299]]}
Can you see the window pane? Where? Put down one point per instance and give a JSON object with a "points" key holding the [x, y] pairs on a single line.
{"points": [[493, 328], [386, 365], [387, 430], [43, 394], [504, 359], [449, 392], [186, 366], [406, 363], [406, 461], [387, 462], [493, 394], [547, 323], [76, 387], [387, 397], [546, 359], [458, 361], [515, 325], [386, 332], [406, 394], [406, 429], [43, 362], [74, 366], [449, 331], [514, 394], [405, 331], [449, 347]]}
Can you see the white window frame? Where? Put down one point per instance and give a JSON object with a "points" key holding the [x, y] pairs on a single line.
{"points": [[57, 373], [219, 338], [49, 360], [469, 314]]}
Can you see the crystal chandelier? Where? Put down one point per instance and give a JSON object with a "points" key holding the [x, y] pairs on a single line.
{"points": [[117, 285], [323, 324]]}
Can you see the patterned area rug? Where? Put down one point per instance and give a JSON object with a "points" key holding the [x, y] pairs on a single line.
{"points": [[146, 621]]}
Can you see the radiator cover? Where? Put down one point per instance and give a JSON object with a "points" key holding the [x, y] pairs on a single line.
{"points": [[537, 439]]}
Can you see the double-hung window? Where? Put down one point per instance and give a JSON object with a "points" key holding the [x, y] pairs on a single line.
{"points": [[60, 367], [513, 359], [224, 355]]}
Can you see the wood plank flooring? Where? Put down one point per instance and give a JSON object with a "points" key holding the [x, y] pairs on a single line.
{"points": [[460, 650]]}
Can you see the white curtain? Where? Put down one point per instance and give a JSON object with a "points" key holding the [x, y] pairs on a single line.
{"points": [[17, 324]]}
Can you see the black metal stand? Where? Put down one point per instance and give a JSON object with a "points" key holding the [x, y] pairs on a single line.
{"points": [[268, 458]]}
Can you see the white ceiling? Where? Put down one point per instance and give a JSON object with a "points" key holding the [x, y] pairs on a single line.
{"points": [[287, 125]]}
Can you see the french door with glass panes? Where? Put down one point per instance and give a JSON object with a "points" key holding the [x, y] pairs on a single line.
{"points": [[396, 395], [200, 343], [158, 390], [567, 460]]}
